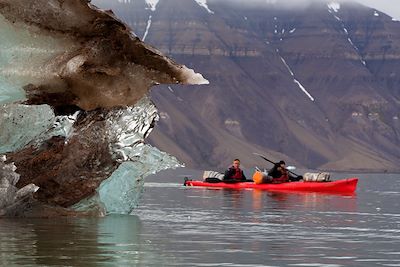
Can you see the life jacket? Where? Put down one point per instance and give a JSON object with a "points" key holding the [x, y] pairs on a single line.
{"points": [[279, 176], [283, 179], [238, 174]]}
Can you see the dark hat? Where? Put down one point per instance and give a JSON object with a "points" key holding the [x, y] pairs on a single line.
{"points": [[281, 162]]}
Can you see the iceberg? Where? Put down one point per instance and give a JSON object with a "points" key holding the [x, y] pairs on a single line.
{"points": [[21, 124], [10, 195], [78, 56], [74, 110], [121, 192], [127, 130]]}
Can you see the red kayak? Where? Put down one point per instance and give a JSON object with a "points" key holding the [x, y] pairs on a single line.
{"points": [[348, 185]]}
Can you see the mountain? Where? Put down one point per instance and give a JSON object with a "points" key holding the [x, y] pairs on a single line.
{"points": [[317, 85]]}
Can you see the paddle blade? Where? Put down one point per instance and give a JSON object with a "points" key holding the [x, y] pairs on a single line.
{"points": [[291, 168]]}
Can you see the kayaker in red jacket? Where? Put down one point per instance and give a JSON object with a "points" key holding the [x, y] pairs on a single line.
{"points": [[234, 173]]}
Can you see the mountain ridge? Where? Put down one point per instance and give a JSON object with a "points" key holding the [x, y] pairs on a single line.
{"points": [[319, 90]]}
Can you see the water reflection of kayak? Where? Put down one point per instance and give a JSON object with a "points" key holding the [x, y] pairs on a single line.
{"points": [[348, 185]]}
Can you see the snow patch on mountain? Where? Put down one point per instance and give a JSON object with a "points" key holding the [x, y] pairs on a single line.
{"points": [[348, 36], [354, 46], [152, 4], [351, 42], [203, 3], [304, 90], [287, 66], [334, 6], [337, 18], [376, 14], [295, 80], [147, 29]]}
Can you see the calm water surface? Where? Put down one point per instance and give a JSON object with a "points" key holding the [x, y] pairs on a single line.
{"points": [[178, 226]]}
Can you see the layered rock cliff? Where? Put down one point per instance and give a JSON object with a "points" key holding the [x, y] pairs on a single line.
{"points": [[316, 84]]}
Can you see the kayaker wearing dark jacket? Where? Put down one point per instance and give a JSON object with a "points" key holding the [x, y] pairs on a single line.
{"points": [[234, 173], [279, 173]]}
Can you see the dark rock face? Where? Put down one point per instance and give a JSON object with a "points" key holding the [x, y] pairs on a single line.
{"points": [[262, 62]]}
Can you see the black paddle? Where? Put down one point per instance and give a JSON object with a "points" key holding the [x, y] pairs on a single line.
{"points": [[262, 156]]}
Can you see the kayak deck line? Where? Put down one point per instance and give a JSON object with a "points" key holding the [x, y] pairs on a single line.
{"points": [[348, 185]]}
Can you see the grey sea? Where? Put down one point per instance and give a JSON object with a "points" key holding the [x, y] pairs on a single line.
{"points": [[179, 226]]}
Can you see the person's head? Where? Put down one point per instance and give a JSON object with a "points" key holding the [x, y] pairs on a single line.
{"points": [[236, 163], [280, 164]]}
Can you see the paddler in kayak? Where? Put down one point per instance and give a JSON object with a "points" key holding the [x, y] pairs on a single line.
{"points": [[277, 175], [234, 174], [280, 174]]}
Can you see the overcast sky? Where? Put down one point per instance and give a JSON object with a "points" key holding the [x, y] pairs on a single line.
{"points": [[390, 7]]}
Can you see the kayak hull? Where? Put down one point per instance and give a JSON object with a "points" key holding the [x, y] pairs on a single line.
{"points": [[348, 185]]}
